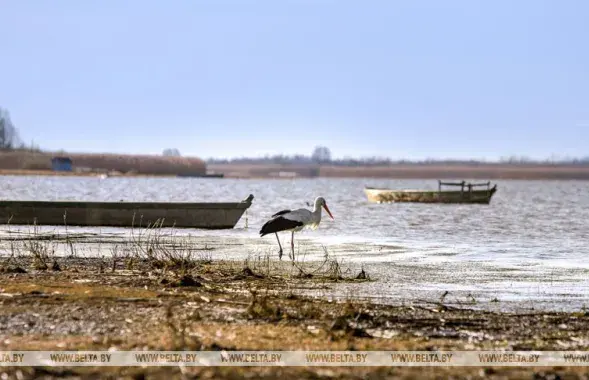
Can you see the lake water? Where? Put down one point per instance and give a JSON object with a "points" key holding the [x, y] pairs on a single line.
{"points": [[531, 244]]}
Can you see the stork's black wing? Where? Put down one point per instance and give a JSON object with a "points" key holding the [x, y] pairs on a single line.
{"points": [[281, 212], [278, 224]]}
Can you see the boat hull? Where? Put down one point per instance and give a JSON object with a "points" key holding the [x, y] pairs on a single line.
{"points": [[392, 196], [124, 214]]}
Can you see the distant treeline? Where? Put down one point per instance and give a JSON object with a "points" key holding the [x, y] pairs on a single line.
{"points": [[300, 159]]}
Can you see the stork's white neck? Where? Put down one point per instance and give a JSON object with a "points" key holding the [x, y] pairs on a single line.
{"points": [[317, 210]]}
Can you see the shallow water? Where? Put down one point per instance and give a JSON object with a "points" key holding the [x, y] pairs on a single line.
{"points": [[530, 243]]}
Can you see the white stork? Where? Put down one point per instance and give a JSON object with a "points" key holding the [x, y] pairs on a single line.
{"points": [[294, 220]]}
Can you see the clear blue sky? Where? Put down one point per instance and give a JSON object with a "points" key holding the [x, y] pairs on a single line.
{"points": [[394, 78]]}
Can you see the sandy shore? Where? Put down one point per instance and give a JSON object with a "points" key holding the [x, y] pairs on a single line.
{"points": [[159, 294], [402, 275]]}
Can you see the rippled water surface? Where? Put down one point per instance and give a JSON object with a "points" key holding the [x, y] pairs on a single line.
{"points": [[530, 226]]}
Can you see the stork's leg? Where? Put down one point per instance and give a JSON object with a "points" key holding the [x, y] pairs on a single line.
{"points": [[292, 245], [279, 252]]}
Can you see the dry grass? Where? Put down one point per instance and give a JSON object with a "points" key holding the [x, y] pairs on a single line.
{"points": [[76, 290], [140, 164], [97, 173]]}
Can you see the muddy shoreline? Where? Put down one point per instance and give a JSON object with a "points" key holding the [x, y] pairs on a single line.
{"points": [[158, 303], [402, 278], [397, 171], [483, 171]]}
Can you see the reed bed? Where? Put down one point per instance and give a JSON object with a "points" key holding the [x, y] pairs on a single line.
{"points": [[140, 164]]}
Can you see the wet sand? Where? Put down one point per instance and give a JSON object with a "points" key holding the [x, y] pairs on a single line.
{"points": [[164, 294], [400, 277]]}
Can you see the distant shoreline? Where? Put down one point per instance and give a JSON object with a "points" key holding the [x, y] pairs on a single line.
{"points": [[408, 171], [395, 171], [41, 163], [25, 172]]}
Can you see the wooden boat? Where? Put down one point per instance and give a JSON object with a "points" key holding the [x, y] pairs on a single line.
{"points": [[124, 214], [208, 175], [466, 194]]}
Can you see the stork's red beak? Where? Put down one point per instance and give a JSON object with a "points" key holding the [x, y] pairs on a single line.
{"points": [[327, 209]]}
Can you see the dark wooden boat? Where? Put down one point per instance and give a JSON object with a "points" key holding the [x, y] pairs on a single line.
{"points": [[468, 193], [208, 175], [222, 215]]}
